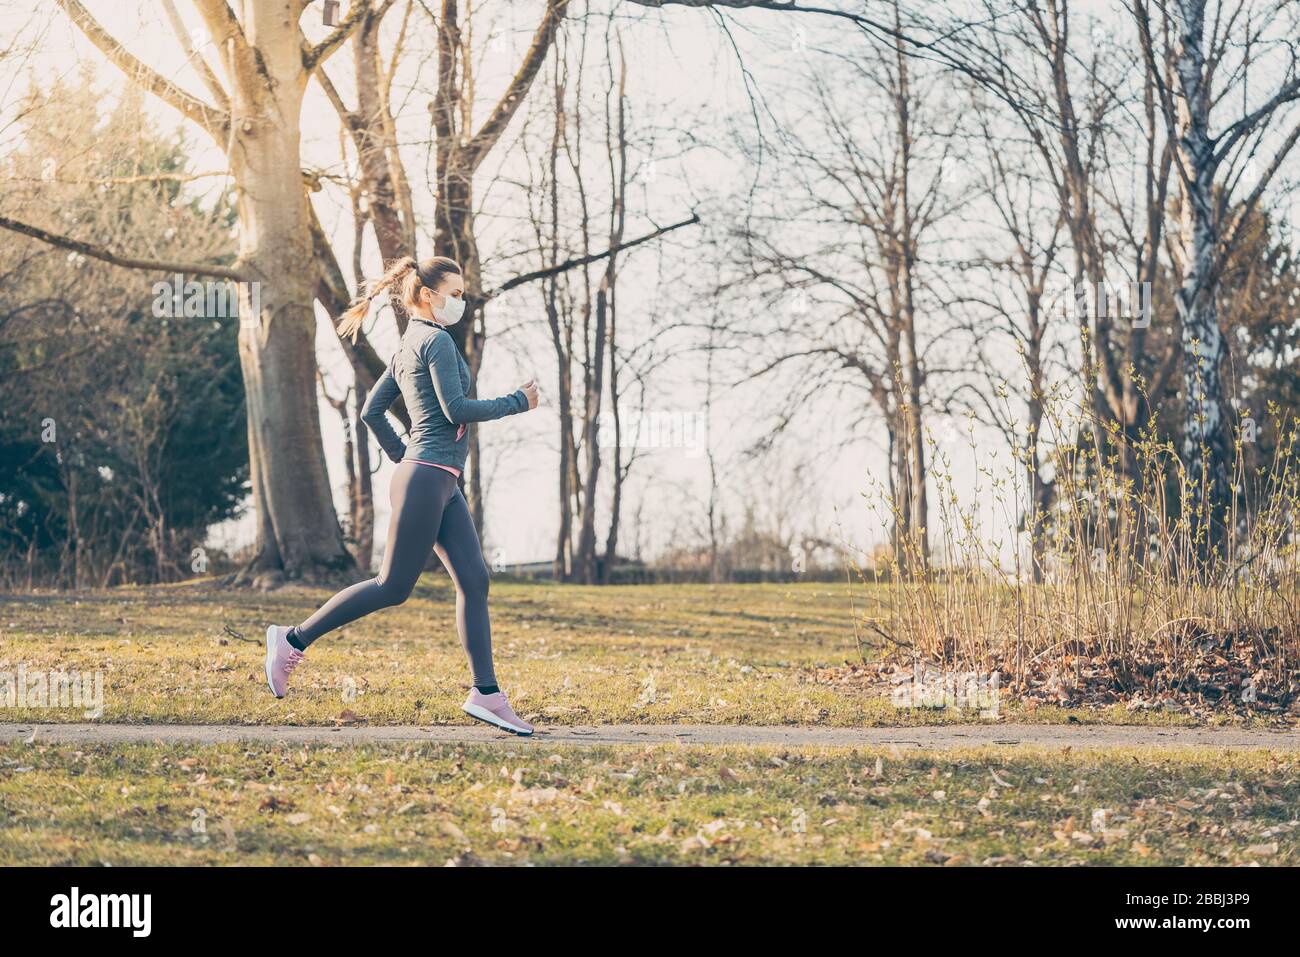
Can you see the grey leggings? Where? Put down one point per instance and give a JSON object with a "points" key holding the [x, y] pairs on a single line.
{"points": [[429, 511]]}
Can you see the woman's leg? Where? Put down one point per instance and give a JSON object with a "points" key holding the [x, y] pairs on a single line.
{"points": [[458, 547], [418, 494]]}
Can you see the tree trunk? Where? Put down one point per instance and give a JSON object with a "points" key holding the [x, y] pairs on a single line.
{"points": [[363, 504], [369, 131], [1205, 445], [616, 465], [587, 571], [1040, 491], [458, 153], [453, 237], [905, 283], [561, 567], [298, 531]]}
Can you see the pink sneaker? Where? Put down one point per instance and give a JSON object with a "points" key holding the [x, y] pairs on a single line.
{"points": [[495, 710], [281, 659]]}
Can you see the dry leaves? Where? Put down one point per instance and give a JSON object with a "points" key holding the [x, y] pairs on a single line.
{"points": [[1188, 671]]}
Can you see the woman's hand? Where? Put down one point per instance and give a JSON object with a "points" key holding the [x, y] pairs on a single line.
{"points": [[529, 389]]}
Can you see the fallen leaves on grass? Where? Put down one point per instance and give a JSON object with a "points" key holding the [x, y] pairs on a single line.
{"points": [[1191, 671]]}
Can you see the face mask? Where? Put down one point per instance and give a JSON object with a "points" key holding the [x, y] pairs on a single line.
{"points": [[451, 311]]}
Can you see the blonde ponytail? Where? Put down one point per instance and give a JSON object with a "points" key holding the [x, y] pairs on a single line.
{"points": [[406, 272], [356, 313]]}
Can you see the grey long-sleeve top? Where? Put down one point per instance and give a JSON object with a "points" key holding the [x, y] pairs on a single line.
{"points": [[434, 380]]}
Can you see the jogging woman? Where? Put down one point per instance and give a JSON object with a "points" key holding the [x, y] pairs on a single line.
{"points": [[428, 509]]}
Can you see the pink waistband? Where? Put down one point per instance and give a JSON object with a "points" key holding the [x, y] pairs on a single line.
{"points": [[445, 468]]}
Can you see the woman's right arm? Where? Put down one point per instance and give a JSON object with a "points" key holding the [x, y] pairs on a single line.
{"points": [[456, 406], [375, 415]]}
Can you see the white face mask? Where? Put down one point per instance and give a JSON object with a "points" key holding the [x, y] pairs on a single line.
{"points": [[451, 311]]}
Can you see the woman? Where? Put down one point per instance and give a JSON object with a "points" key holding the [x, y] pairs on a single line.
{"points": [[428, 509]]}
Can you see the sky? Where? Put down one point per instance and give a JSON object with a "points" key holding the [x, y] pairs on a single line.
{"points": [[687, 84]]}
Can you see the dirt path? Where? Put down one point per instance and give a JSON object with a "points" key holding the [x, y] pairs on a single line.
{"points": [[934, 737]]}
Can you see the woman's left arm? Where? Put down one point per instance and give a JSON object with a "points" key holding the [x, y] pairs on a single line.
{"points": [[375, 415]]}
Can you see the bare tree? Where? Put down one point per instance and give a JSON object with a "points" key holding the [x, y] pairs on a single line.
{"points": [[843, 241], [461, 150], [581, 308], [1017, 261], [254, 119], [1203, 54]]}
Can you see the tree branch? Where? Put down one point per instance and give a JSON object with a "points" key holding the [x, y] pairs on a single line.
{"points": [[234, 272], [312, 57], [502, 113], [213, 120], [1244, 211], [209, 78], [1246, 124], [347, 117], [242, 60], [582, 260]]}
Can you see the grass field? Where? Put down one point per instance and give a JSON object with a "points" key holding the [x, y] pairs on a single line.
{"points": [[573, 656], [728, 654], [226, 804]]}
